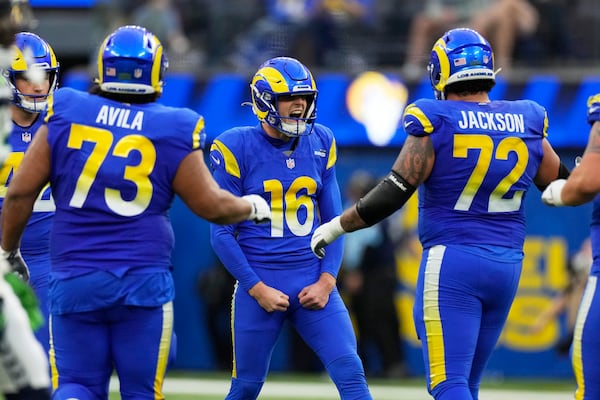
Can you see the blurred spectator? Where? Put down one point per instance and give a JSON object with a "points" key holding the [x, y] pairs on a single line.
{"points": [[215, 289], [283, 31], [162, 17], [368, 284], [107, 15], [502, 21], [553, 42], [322, 32], [567, 301], [390, 35], [219, 23], [339, 26], [584, 25]]}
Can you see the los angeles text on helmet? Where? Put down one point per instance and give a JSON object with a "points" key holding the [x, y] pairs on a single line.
{"points": [[507, 122], [474, 74]]}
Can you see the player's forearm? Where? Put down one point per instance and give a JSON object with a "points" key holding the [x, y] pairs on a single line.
{"points": [[231, 255], [583, 184], [15, 214], [228, 209], [573, 196], [351, 221]]}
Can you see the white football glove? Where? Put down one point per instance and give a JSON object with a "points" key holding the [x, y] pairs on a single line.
{"points": [[12, 261], [552, 194], [324, 235], [261, 212]]}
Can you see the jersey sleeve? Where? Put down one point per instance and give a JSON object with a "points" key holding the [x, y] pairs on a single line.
{"points": [[417, 121], [227, 173], [541, 115], [330, 206], [198, 133]]}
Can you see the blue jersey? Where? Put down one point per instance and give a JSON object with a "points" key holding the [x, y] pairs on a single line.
{"points": [[111, 176], [486, 157], [585, 351], [595, 236], [297, 178], [35, 240]]}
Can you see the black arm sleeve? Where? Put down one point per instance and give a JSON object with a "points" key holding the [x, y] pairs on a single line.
{"points": [[385, 198], [563, 173]]}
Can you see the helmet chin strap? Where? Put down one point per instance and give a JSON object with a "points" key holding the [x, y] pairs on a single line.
{"points": [[33, 106], [299, 127]]}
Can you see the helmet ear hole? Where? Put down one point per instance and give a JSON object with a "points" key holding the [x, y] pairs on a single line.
{"points": [[260, 99]]}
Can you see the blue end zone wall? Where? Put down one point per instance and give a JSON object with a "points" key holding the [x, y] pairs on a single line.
{"points": [[220, 100]]}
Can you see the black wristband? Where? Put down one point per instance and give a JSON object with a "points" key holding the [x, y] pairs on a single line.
{"points": [[385, 198], [563, 173]]}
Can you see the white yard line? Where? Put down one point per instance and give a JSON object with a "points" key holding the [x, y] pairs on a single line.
{"points": [[311, 390]]}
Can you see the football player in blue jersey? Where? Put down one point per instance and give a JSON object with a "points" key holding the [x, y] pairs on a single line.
{"points": [[33, 55], [115, 159], [23, 364], [474, 161], [582, 187], [290, 160]]}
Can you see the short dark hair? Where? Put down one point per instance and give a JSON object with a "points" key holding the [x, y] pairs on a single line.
{"points": [[470, 87], [125, 97]]}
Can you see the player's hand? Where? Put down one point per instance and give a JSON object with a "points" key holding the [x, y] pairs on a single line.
{"points": [[12, 261], [316, 296], [324, 235], [593, 109], [552, 194], [261, 212], [269, 298]]}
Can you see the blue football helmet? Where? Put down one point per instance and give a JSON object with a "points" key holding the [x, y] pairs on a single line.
{"points": [[461, 54], [32, 54], [131, 60], [284, 76]]}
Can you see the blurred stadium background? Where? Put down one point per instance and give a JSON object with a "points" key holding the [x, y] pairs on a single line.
{"points": [[362, 93]]}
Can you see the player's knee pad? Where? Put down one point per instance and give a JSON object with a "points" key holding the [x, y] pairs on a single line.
{"points": [[72, 391], [243, 390], [348, 375]]}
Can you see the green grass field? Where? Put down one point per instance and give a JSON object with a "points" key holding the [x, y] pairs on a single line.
{"points": [[209, 386], [214, 386]]}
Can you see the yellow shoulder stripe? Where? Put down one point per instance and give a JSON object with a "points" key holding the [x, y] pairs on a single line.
{"points": [[416, 112], [49, 108], [197, 132], [231, 165], [331, 160]]}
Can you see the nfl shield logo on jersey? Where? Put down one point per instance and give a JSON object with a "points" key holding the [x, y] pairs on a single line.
{"points": [[290, 163], [26, 137]]}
